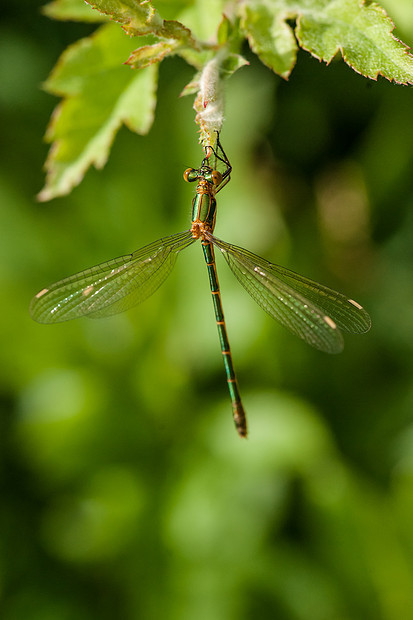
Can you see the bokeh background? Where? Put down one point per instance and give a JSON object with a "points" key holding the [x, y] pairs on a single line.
{"points": [[125, 491]]}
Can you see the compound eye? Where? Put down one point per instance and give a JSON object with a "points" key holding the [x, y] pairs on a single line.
{"points": [[190, 175], [216, 177]]}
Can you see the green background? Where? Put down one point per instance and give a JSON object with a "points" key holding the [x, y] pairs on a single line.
{"points": [[125, 491]]}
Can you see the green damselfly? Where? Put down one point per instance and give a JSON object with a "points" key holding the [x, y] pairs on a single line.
{"points": [[309, 310]]}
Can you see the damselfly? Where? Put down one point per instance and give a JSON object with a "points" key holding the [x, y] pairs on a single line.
{"points": [[309, 310]]}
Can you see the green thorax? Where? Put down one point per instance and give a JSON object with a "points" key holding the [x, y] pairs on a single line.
{"points": [[204, 203], [204, 209]]}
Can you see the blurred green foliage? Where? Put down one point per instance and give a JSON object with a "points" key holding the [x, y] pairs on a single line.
{"points": [[126, 492]]}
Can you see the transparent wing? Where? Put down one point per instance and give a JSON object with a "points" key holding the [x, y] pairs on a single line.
{"points": [[309, 310], [110, 287]]}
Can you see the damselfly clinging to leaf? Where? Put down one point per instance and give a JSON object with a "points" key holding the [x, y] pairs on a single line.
{"points": [[309, 310]]}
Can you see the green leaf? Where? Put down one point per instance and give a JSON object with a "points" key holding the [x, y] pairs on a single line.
{"points": [[225, 30], [134, 16], [270, 37], [75, 10], [362, 32], [140, 18], [148, 54], [100, 94], [232, 63]]}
